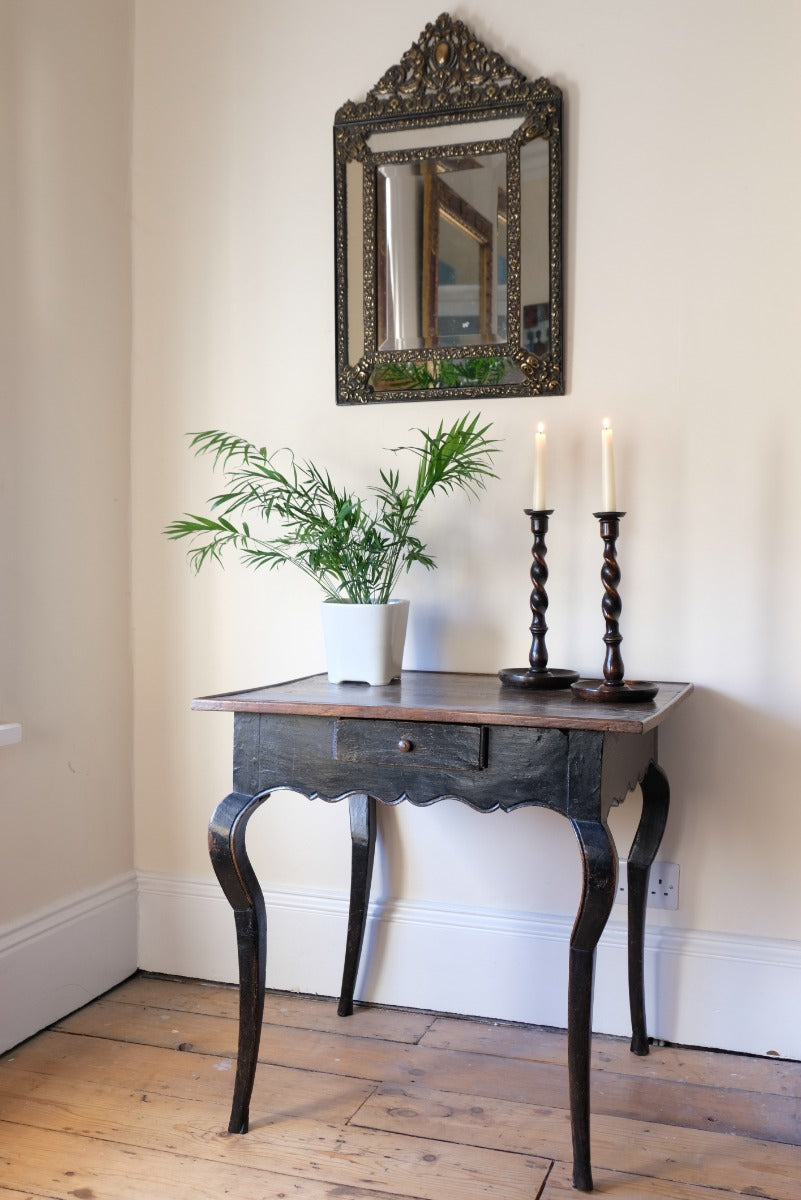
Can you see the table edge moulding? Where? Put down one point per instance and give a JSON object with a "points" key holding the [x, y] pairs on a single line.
{"points": [[429, 737], [450, 696]]}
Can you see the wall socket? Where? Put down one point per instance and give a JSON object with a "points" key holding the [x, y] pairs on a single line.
{"points": [[663, 885]]}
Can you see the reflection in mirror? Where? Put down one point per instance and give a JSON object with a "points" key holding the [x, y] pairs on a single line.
{"points": [[354, 174], [441, 252], [450, 135], [458, 257], [535, 319], [448, 228]]}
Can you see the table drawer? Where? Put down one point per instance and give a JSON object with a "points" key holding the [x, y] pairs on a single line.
{"points": [[411, 744]]}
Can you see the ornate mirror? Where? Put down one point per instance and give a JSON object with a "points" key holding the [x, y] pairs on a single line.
{"points": [[448, 226]]}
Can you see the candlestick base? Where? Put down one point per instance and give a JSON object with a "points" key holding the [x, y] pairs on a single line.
{"points": [[629, 691], [547, 680]]}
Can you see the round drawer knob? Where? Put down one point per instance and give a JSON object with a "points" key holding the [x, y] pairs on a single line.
{"points": [[404, 745]]}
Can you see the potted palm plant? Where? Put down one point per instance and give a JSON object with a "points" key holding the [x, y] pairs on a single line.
{"points": [[355, 550]]}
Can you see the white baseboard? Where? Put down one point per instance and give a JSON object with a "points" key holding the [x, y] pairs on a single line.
{"points": [[62, 956], [702, 989]]}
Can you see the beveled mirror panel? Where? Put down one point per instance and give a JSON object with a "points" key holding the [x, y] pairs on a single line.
{"points": [[448, 222]]}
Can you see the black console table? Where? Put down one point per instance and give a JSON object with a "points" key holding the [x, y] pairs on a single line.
{"points": [[427, 738]]}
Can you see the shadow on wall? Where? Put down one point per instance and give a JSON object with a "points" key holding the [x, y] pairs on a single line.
{"points": [[735, 815], [733, 824], [732, 828], [439, 642]]}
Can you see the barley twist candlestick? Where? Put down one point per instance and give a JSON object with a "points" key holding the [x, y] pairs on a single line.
{"points": [[538, 674], [613, 688]]}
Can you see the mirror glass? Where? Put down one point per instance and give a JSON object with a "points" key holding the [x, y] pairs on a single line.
{"points": [[355, 271], [535, 286], [448, 228], [441, 251]]}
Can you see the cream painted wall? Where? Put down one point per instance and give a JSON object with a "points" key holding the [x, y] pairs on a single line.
{"points": [[683, 259], [65, 325]]}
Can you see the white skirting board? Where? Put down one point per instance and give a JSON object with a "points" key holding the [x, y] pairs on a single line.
{"points": [[702, 989], [62, 956]]}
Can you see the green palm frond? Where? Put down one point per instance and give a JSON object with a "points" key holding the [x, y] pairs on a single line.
{"points": [[354, 552]]}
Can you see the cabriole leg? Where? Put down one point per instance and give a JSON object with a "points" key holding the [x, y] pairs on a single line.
{"points": [[362, 832], [238, 881], [655, 805], [599, 861]]}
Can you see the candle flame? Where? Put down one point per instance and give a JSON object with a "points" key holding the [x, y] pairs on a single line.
{"points": [[607, 423], [540, 427]]}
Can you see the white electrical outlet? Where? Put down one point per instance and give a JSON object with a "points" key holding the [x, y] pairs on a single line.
{"points": [[663, 885]]}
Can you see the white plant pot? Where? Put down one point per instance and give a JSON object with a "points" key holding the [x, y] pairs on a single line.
{"points": [[364, 642]]}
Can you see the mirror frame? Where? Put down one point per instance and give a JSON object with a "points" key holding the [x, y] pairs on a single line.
{"points": [[447, 78]]}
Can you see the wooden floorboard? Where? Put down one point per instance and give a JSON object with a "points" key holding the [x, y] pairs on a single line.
{"points": [[711, 1068], [9, 1194], [727, 1109], [129, 1098]]}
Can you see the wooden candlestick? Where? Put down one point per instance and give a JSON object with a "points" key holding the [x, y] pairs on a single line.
{"points": [[613, 687], [538, 674]]}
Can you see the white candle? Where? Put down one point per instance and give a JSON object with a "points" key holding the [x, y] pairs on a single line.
{"points": [[608, 469], [539, 469]]}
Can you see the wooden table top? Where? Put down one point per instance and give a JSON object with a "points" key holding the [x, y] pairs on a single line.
{"points": [[467, 699]]}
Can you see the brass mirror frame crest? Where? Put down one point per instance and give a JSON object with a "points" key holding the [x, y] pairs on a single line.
{"points": [[449, 77]]}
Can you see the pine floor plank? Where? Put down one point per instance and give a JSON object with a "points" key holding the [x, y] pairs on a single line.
{"points": [[129, 1098], [71, 1167], [8, 1194], [293, 1146], [615, 1184], [301, 1012], [709, 1068], [758, 1115], [665, 1152], [155, 1071]]}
